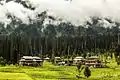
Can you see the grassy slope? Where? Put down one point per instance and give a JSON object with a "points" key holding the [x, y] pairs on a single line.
{"points": [[51, 72]]}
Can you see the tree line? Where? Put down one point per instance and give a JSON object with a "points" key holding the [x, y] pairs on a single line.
{"points": [[64, 39]]}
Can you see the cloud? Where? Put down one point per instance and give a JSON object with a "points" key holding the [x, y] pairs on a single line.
{"points": [[76, 11], [3, 15], [14, 9]]}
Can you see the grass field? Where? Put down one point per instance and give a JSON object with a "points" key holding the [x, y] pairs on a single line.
{"points": [[51, 72]]}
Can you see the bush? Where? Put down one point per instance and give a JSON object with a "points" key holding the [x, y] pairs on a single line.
{"points": [[35, 64], [79, 69], [9, 62], [87, 72], [2, 61]]}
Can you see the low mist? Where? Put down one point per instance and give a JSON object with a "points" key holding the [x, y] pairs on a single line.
{"points": [[75, 11]]}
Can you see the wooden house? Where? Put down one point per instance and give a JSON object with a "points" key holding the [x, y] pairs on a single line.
{"points": [[30, 61], [77, 60], [59, 61], [93, 61]]}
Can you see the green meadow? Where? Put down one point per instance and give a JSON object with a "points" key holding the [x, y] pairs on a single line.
{"points": [[51, 72]]}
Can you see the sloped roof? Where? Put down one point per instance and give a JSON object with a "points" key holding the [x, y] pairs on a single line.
{"points": [[93, 57], [57, 57], [47, 58], [78, 58], [27, 57], [30, 57]]}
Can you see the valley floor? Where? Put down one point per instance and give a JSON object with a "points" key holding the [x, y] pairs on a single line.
{"points": [[51, 72]]}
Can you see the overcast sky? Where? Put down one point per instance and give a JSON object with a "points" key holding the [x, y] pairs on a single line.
{"points": [[75, 11]]}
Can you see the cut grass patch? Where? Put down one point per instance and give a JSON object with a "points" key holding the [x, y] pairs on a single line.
{"points": [[14, 76]]}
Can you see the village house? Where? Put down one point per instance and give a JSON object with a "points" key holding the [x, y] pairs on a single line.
{"points": [[59, 61], [93, 61], [30, 61], [77, 60]]}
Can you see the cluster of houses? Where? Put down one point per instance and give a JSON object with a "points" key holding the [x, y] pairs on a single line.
{"points": [[92, 61]]}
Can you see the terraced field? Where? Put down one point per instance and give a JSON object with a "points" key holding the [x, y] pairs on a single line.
{"points": [[51, 72]]}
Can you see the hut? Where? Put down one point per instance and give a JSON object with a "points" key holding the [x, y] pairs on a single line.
{"points": [[59, 61], [30, 61], [77, 60], [93, 61], [47, 59]]}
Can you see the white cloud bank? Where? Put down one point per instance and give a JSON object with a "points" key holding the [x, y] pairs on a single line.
{"points": [[75, 11]]}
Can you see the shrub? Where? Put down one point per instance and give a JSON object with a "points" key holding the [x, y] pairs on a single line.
{"points": [[79, 69], [87, 72], [2, 61]]}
